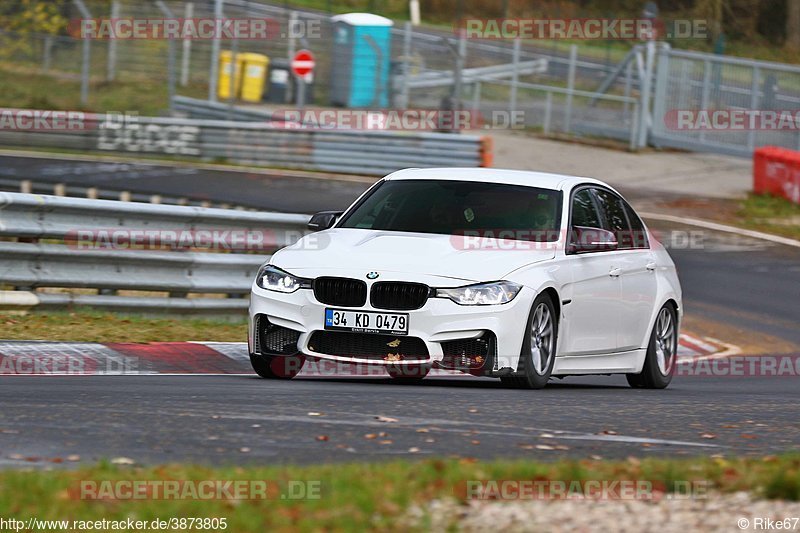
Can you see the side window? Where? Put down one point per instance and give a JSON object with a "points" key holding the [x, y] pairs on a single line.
{"points": [[638, 233], [614, 218], [584, 211]]}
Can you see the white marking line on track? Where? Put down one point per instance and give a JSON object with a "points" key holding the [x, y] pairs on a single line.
{"points": [[722, 227], [453, 426]]}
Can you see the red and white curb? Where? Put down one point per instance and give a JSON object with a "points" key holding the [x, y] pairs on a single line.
{"points": [[124, 358]]}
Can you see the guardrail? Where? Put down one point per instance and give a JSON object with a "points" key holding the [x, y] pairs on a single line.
{"points": [[204, 282], [264, 143]]}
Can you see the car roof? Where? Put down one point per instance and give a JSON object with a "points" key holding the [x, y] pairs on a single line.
{"points": [[544, 180]]}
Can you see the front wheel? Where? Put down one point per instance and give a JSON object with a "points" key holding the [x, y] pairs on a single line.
{"points": [[277, 366], [662, 353], [538, 348]]}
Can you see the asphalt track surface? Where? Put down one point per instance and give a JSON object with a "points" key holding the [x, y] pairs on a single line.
{"points": [[748, 285], [211, 419], [266, 190]]}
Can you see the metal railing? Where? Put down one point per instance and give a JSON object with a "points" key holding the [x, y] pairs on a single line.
{"points": [[261, 143], [700, 83], [50, 243]]}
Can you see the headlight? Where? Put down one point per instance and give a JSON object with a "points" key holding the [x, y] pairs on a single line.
{"points": [[273, 278], [498, 292]]}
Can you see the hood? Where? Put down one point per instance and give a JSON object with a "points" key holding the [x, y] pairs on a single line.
{"points": [[354, 252]]}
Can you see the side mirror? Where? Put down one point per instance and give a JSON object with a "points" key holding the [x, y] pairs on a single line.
{"points": [[583, 239], [323, 220]]}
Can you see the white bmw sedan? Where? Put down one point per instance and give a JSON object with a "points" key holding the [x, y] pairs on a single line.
{"points": [[521, 276]]}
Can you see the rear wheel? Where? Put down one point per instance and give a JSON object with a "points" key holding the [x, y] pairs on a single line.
{"points": [[538, 348], [277, 366], [662, 353], [408, 374]]}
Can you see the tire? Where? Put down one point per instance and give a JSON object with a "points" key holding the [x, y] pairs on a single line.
{"points": [[277, 366], [408, 374], [538, 347], [662, 350]]}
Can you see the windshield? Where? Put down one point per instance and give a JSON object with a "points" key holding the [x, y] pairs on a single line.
{"points": [[460, 208]]}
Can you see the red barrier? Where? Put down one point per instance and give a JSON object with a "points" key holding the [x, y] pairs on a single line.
{"points": [[776, 171]]}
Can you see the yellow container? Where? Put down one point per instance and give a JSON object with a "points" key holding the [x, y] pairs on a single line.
{"points": [[225, 72], [255, 75]]}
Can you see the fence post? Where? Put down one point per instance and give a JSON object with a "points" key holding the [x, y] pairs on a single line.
{"points": [[514, 77], [633, 137], [187, 47], [48, 53], [754, 94], [86, 54], [404, 96], [627, 92], [170, 56], [660, 92], [548, 108], [646, 87], [111, 60], [573, 57], [232, 79], [705, 93], [214, 67], [290, 49], [476, 96], [461, 58]]}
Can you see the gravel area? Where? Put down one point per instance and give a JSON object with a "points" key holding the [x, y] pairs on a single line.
{"points": [[714, 513]]}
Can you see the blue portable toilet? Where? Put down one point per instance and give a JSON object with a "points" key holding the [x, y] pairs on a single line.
{"points": [[362, 46]]}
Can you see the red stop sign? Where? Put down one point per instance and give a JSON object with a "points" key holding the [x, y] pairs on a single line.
{"points": [[303, 63]]}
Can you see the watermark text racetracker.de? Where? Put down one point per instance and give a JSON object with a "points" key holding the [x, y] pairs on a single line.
{"points": [[194, 28], [216, 239], [192, 489], [741, 366], [584, 489], [732, 120], [500, 239], [396, 119], [67, 364], [43, 120], [548, 28]]}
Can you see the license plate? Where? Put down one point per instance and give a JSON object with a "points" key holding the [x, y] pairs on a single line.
{"points": [[366, 321]]}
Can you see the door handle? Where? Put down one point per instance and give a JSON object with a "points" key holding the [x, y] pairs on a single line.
{"points": [[615, 272], [651, 266]]}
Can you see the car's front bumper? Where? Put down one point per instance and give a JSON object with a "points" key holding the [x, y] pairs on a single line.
{"points": [[439, 320]]}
